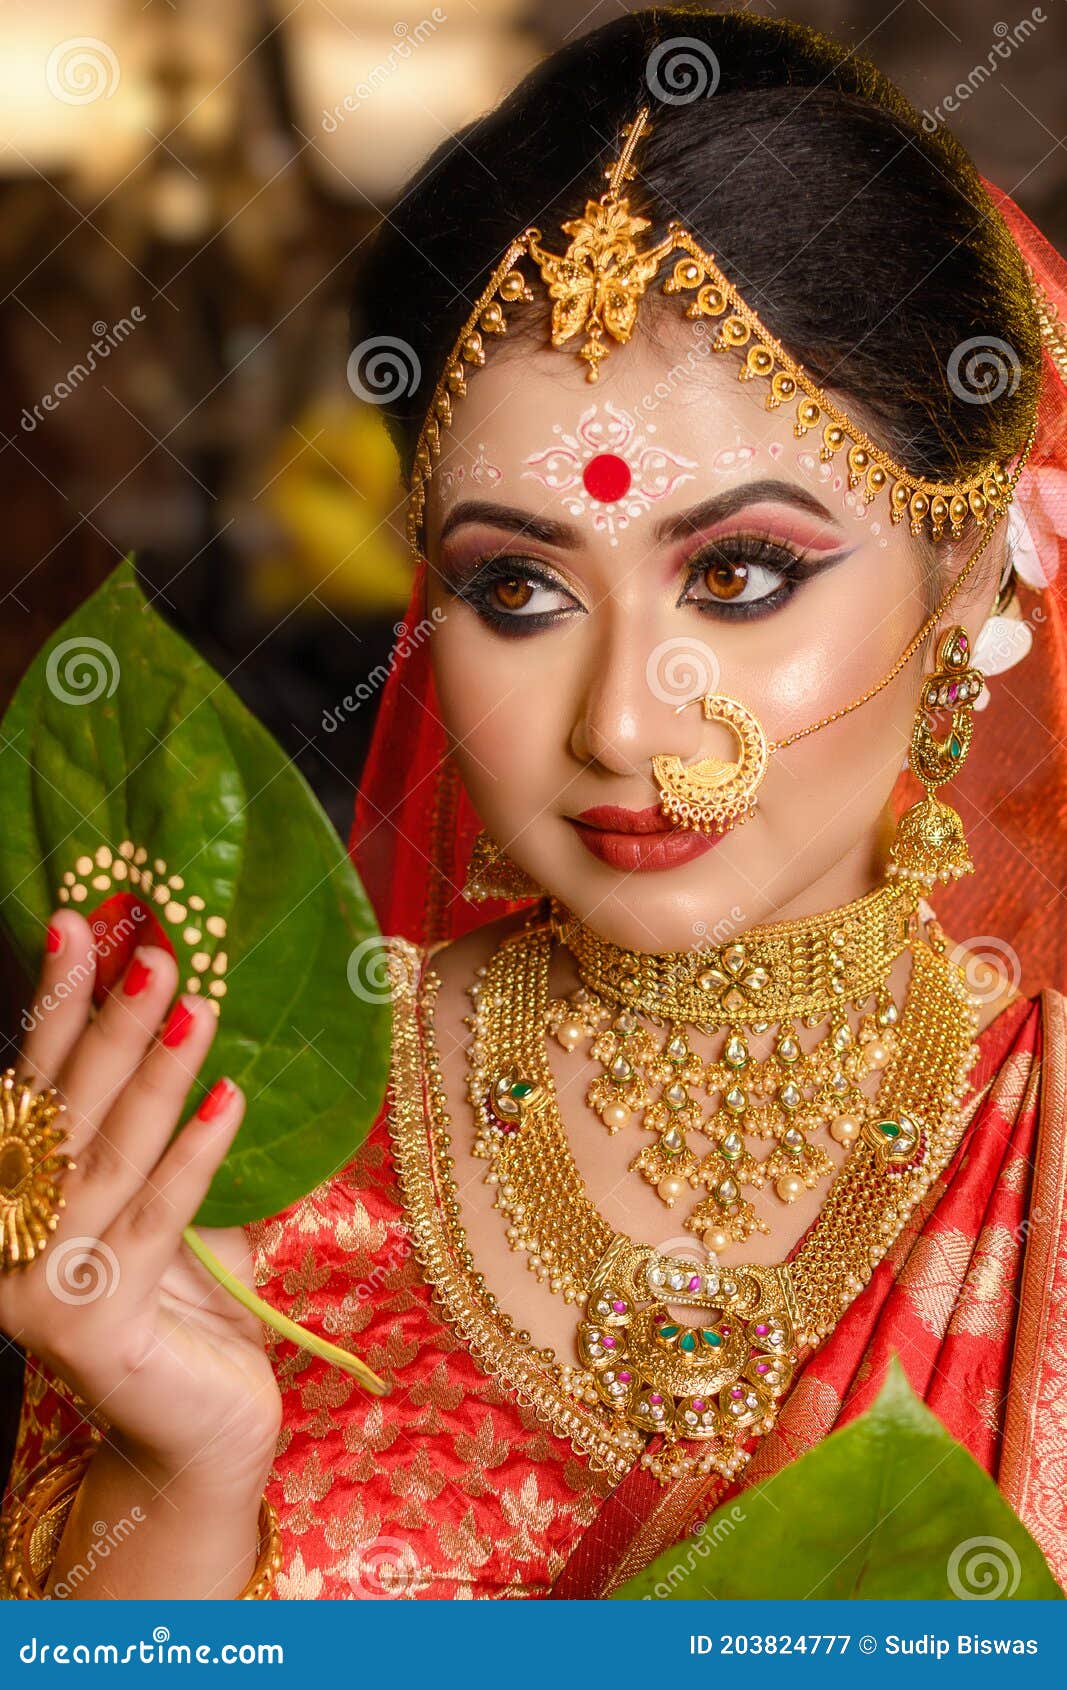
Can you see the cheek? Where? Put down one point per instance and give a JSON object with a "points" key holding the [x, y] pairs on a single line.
{"points": [[836, 781], [506, 726], [847, 634]]}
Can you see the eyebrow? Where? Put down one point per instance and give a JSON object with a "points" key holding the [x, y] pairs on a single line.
{"points": [[554, 533]]}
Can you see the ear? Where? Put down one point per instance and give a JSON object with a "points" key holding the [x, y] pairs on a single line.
{"points": [[974, 604]]}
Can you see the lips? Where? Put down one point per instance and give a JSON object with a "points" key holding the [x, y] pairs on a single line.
{"points": [[638, 840], [612, 818]]}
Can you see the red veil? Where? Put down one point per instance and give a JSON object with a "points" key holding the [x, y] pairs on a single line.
{"points": [[414, 825]]}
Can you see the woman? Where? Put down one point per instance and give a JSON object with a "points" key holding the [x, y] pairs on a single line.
{"points": [[696, 1114]]}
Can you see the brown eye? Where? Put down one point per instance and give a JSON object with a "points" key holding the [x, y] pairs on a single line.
{"points": [[512, 594], [726, 578]]}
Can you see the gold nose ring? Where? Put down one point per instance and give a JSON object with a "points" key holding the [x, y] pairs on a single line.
{"points": [[715, 794]]}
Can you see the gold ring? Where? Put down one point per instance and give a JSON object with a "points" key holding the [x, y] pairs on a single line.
{"points": [[31, 1166]]}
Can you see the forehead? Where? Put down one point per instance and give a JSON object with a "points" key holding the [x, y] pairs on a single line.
{"points": [[668, 422]]}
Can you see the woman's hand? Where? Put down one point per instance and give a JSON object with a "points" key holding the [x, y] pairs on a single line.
{"points": [[116, 1304]]}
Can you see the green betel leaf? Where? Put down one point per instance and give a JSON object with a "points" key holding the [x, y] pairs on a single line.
{"points": [[134, 779], [890, 1506]]}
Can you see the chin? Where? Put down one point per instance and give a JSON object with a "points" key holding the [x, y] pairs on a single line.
{"points": [[694, 905]]}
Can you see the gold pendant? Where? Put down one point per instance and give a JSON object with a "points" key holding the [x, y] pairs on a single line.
{"points": [[706, 1382]]}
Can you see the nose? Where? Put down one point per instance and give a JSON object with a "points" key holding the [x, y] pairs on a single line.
{"points": [[628, 711]]}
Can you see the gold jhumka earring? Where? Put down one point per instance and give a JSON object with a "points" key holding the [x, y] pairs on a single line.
{"points": [[929, 845], [842, 1064], [491, 873]]}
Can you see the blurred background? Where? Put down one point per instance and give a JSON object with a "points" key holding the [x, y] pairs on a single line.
{"points": [[186, 186]]}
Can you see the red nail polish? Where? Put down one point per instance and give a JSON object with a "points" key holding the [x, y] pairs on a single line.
{"points": [[179, 1022], [137, 977], [54, 939], [216, 1100]]}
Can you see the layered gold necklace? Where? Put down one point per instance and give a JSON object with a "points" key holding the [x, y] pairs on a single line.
{"points": [[635, 1009], [696, 1396]]}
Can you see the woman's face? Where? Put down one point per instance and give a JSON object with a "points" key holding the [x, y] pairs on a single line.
{"points": [[601, 553]]}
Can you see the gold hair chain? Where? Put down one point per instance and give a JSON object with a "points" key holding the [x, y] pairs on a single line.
{"points": [[596, 286]]}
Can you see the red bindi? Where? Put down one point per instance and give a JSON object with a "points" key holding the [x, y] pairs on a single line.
{"points": [[606, 477]]}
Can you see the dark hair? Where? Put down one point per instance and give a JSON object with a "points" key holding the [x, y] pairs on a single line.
{"points": [[867, 244]]}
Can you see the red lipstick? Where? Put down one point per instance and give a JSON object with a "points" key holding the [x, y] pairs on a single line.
{"points": [[641, 840]]}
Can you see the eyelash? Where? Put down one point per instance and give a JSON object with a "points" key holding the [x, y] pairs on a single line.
{"points": [[753, 550], [756, 552]]}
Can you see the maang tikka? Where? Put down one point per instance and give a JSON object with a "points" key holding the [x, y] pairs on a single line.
{"points": [[596, 286]]}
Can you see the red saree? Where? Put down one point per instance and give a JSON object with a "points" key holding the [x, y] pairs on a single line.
{"points": [[458, 1486]]}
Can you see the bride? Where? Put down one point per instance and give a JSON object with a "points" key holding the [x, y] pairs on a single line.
{"points": [[698, 1113]]}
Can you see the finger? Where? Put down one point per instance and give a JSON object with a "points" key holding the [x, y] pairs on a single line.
{"points": [[120, 1156], [104, 1058], [148, 1231], [60, 1010]]}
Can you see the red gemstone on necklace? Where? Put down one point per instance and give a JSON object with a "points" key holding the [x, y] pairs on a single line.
{"points": [[607, 477]]}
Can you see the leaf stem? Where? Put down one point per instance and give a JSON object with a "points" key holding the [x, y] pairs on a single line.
{"points": [[280, 1322]]}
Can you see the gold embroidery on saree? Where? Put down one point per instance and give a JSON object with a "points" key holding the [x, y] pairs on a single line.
{"points": [[1033, 1470], [987, 1299], [933, 1276]]}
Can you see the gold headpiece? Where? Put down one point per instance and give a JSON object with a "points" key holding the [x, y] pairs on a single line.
{"points": [[596, 286]]}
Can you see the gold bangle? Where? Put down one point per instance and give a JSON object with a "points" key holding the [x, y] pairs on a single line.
{"points": [[35, 1525]]}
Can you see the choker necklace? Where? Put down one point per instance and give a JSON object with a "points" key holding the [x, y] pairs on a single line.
{"points": [[775, 973], [698, 1396], [801, 975]]}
